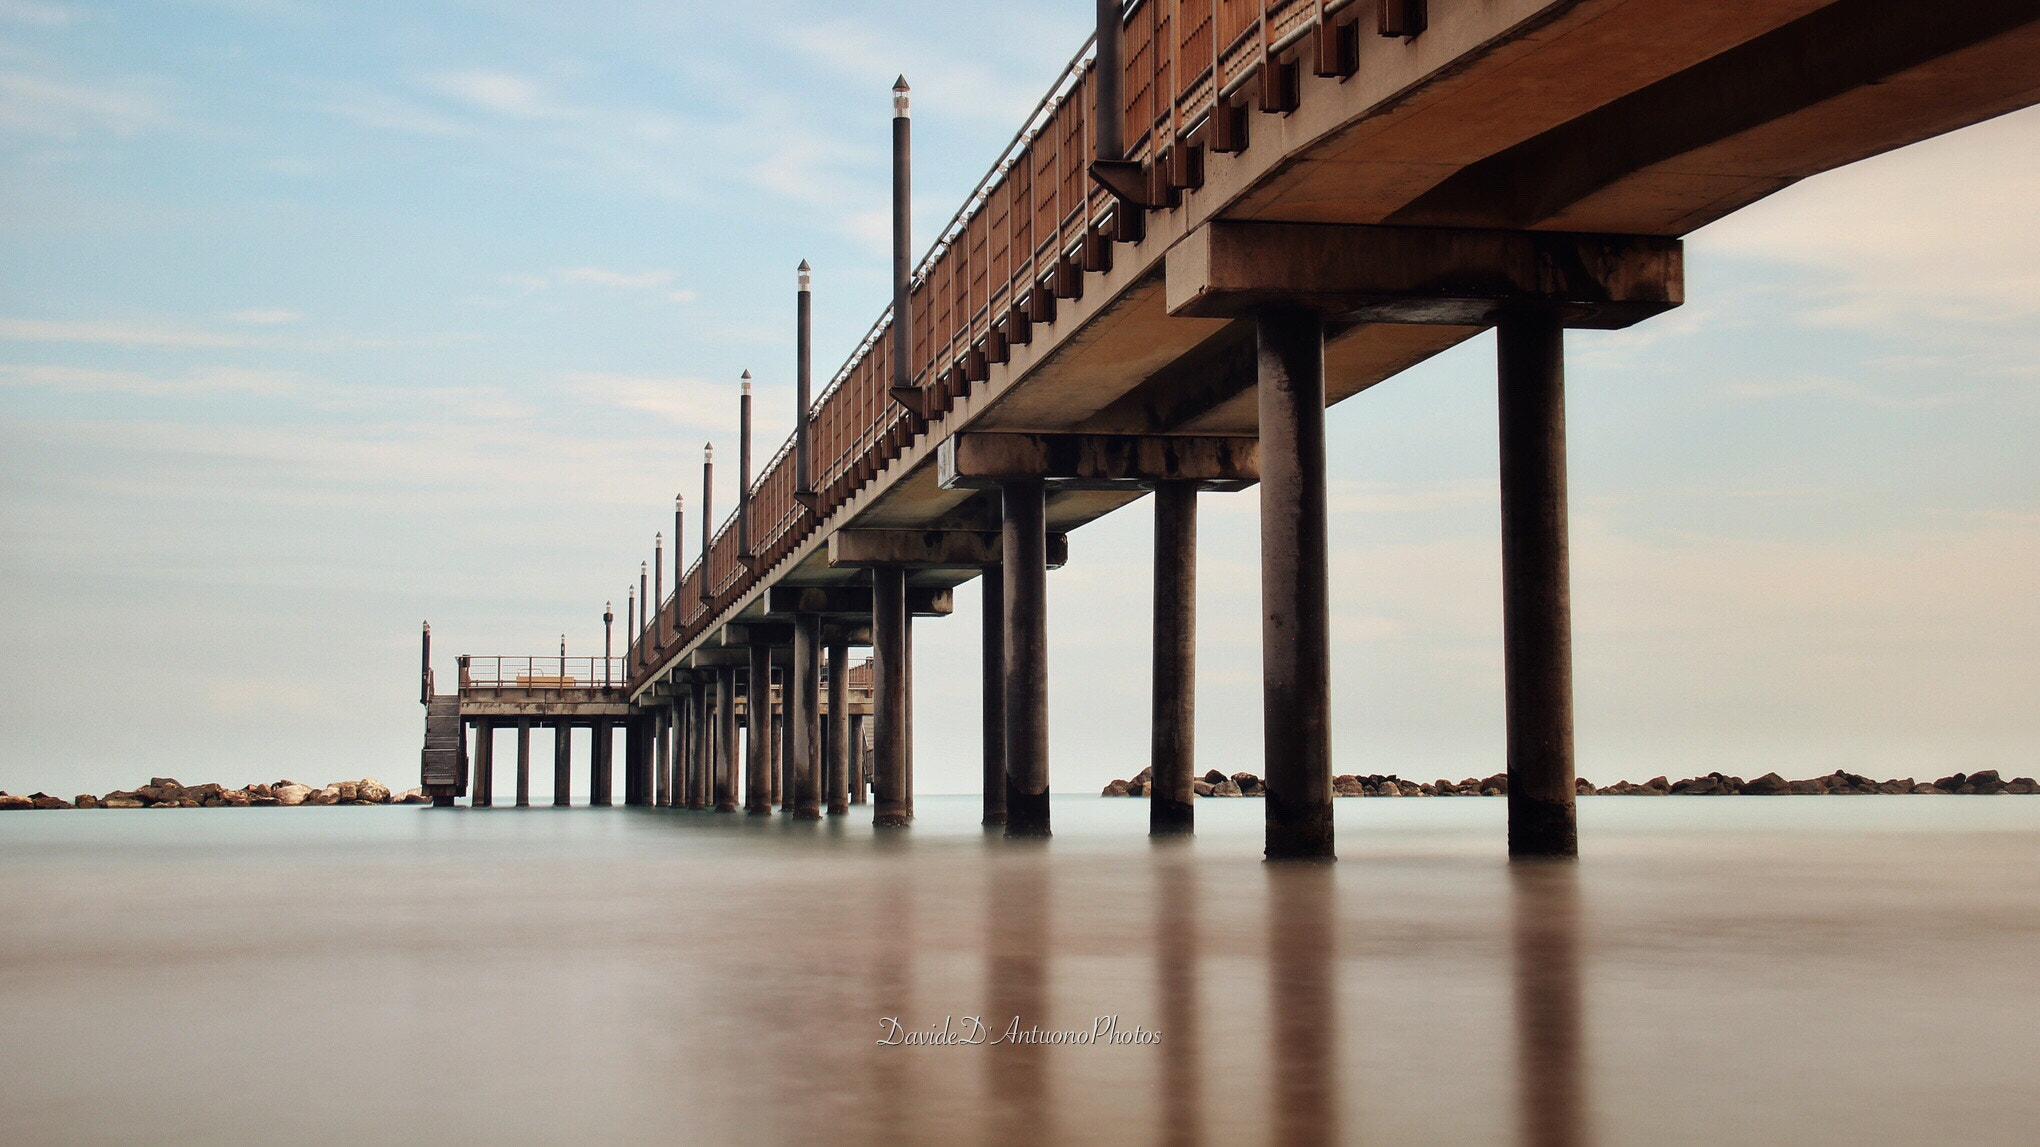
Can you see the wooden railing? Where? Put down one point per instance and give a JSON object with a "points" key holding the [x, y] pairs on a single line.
{"points": [[1023, 238]]}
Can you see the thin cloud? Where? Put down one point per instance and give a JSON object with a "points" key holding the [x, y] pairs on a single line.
{"points": [[689, 402], [114, 332], [58, 110], [36, 15], [201, 383], [264, 318]]}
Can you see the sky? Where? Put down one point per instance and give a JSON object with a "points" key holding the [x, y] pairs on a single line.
{"points": [[319, 320]]}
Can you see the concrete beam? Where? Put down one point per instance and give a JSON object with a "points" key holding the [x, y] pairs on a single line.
{"points": [[1425, 275], [853, 601], [983, 461], [929, 549]]}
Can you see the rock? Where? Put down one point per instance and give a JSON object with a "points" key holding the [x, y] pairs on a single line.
{"points": [[154, 793], [1145, 775], [1987, 782], [8, 801], [1583, 787], [1812, 787], [1894, 787], [291, 793], [238, 798], [344, 790], [372, 791], [264, 802], [1951, 784], [328, 795], [1136, 788], [1387, 788], [1499, 782], [1349, 787], [1226, 788], [1925, 789], [121, 802], [1214, 777], [1768, 785], [1249, 785], [1115, 789], [165, 783], [122, 795], [414, 796], [1201, 788], [2021, 785], [86, 800]]}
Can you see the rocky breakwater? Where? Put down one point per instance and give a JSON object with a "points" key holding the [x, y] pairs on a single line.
{"points": [[1839, 783], [165, 792]]}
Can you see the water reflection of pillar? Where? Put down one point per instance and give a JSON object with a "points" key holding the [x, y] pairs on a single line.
{"points": [[1176, 975], [892, 984], [1550, 1038], [1016, 973], [1303, 995]]}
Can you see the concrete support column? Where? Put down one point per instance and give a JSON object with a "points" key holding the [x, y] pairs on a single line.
{"points": [[803, 718], [524, 762], [993, 652], [1295, 602], [601, 759], [725, 755], [782, 776], [563, 765], [634, 760], [859, 767], [1026, 632], [1536, 593], [1171, 807], [699, 792], [662, 757], [891, 782], [837, 735], [483, 794], [758, 733]]}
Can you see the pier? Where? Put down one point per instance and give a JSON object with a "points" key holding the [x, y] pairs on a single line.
{"points": [[1223, 218]]}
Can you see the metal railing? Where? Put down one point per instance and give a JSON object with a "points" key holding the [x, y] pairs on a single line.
{"points": [[544, 673], [1015, 246]]}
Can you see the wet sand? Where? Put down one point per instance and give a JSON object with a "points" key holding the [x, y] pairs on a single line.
{"points": [[1778, 969]]}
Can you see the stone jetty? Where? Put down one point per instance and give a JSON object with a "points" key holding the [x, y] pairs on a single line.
{"points": [[166, 792], [1838, 783]]}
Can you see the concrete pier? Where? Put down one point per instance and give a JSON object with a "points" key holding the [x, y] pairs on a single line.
{"points": [[602, 760], [803, 718], [860, 768], [890, 780], [563, 765], [1296, 665], [1173, 723], [524, 762], [992, 649], [1536, 594], [758, 732], [837, 734], [484, 792], [1026, 644], [725, 756]]}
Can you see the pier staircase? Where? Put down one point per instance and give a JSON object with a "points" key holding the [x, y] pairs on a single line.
{"points": [[443, 765]]}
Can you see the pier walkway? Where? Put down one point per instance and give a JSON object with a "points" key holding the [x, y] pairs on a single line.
{"points": [[1281, 204]]}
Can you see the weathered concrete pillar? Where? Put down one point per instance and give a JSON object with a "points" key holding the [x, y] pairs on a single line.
{"points": [[726, 740], [1536, 593], [635, 760], [837, 736], [1295, 599], [891, 781], [662, 757], [1171, 804], [563, 765], [483, 794], [701, 787], [603, 760], [782, 775], [523, 762], [859, 767], [803, 718], [993, 653], [1026, 625], [758, 732]]}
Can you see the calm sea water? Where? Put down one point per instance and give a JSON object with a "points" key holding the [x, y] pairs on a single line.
{"points": [[1716, 970]]}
